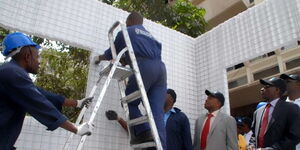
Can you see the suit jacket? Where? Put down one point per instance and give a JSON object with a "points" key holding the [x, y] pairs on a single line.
{"points": [[222, 134], [283, 131]]}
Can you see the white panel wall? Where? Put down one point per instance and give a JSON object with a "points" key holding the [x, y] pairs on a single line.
{"points": [[178, 55], [271, 25], [193, 65], [87, 28], [262, 28]]}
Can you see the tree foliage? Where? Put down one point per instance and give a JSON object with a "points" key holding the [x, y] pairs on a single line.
{"points": [[155, 10], [182, 16], [64, 72], [187, 18]]}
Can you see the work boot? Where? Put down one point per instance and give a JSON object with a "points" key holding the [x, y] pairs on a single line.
{"points": [[145, 136]]}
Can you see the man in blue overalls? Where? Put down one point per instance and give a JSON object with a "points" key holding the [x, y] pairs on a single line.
{"points": [[18, 94], [148, 53], [58, 100]]}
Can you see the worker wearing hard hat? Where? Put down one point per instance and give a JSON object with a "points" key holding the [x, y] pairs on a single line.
{"points": [[18, 94]]}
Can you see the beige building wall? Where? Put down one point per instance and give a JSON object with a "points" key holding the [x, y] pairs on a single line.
{"points": [[218, 11], [285, 61]]}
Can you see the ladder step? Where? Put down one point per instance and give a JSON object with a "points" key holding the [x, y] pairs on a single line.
{"points": [[131, 97], [121, 72], [138, 121], [144, 145]]}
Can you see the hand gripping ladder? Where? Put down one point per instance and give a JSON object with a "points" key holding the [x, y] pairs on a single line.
{"points": [[116, 71]]}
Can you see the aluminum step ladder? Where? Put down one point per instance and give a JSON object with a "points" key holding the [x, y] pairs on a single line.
{"points": [[121, 73]]}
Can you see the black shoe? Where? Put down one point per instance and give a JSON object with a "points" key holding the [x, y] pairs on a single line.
{"points": [[142, 138]]}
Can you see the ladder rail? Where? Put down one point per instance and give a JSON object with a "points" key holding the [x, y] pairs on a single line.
{"points": [[111, 39], [102, 93], [80, 116], [141, 87], [115, 61], [122, 87]]}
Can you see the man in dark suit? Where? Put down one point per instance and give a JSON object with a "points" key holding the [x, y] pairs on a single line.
{"points": [[293, 88], [275, 125]]}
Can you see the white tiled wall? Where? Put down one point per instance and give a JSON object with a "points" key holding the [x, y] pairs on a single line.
{"points": [[193, 65]]}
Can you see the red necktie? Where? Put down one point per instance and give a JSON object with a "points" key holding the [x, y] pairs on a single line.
{"points": [[205, 132], [263, 126]]}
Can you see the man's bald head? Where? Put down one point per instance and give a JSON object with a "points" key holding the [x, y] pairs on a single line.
{"points": [[134, 18]]}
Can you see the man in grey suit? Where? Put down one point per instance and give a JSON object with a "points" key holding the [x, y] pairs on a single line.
{"points": [[215, 130]]}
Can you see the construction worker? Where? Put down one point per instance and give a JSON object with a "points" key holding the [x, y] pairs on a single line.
{"points": [[18, 94], [148, 54], [58, 100]]}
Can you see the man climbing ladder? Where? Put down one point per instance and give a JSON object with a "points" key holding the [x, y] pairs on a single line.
{"points": [[148, 54]]}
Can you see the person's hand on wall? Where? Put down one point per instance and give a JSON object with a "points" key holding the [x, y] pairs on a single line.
{"points": [[111, 115]]}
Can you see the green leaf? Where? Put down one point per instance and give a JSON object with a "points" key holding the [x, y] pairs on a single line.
{"points": [[182, 16]]}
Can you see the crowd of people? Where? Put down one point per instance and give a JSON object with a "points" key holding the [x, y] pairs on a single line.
{"points": [[276, 128], [275, 124]]}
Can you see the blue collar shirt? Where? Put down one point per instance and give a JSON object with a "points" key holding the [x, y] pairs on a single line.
{"points": [[167, 115]]}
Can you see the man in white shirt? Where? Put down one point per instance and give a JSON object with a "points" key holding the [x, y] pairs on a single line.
{"points": [[293, 90]]}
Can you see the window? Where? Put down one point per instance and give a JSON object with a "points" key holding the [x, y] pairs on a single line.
{"points": [[237, 82], [266, 73], [293, 64]]}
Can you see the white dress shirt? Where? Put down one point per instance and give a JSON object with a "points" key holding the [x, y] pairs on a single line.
{"points": [[297, 101], [215, 113], [248, 136], [273, 104]]}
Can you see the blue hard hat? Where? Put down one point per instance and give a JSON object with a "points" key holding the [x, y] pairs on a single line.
{"points": [[16, 40]]}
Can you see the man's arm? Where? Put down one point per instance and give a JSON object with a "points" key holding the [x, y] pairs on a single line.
{"points": [[119, 45], [55, 99], [231, 134], [24, 93], [123, 123], [31, 100], [293, 124], [58, 100], [112, 115], [69, 126]]}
